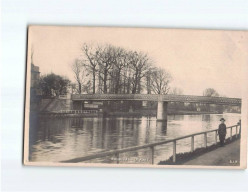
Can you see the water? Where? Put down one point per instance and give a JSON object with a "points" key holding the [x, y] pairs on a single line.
{"points": [[58, 139]]}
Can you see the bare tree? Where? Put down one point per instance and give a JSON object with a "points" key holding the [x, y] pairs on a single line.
{"points": [[126, 74], [74, 88], [138, 65], [210, 92], [113, 69], [148, 79], [121, 60], [105, 60], [90, 63], [176, 91], [160, 80], [80, 75]]}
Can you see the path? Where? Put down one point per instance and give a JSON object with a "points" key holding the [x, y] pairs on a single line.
{"points": [[228, 155]]}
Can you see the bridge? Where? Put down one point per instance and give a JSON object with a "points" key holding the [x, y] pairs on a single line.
{"points": [[154, 97], [161, 99]]}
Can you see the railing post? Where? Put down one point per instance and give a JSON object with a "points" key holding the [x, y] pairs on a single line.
{"points": [[152, 149], [205, 140], [236, 131], [192, 144], [117, 158], [231, 134], [174, 150], [216, 136]]}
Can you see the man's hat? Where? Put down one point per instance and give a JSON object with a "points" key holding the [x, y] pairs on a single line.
{"points": [[222, 119]]}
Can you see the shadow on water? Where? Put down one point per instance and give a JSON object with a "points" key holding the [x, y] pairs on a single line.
{"points": [[206, 117], [33, 124], [162, 127]]}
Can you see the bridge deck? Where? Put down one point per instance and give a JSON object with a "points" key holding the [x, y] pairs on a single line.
{"points": [[153, 97]]}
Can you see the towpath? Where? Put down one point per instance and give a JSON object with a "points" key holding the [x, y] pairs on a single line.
{"points": [[228, 155]]}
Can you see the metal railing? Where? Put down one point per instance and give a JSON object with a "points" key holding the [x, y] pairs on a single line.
{"points": [[62, 96], [156, 97], [78, 111], [152, 146]]}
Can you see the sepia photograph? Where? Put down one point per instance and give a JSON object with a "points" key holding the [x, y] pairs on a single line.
{"points": [[134, 97]]}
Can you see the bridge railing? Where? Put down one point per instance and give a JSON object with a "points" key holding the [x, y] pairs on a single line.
{"points": [[78, 111], [156, 97], [153, 145]]}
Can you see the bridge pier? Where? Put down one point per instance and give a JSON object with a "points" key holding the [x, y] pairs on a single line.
{"points": [[68, 103], [161, 126], [162, 111], [130, 108]]}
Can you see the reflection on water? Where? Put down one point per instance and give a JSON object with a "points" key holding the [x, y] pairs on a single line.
{"points": [[57, 139]]}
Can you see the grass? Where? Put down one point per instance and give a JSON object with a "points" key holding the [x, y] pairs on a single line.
{"points": [[184, 157]]}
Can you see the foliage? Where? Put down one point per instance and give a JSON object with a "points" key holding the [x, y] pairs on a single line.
{"points": [[53, 85], [210, 92]]}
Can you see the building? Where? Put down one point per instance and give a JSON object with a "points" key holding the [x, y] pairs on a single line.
{"points": [[35, 78], [35, 75]]}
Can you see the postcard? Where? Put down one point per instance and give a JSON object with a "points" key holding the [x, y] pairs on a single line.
{"points": [[136, 97]]}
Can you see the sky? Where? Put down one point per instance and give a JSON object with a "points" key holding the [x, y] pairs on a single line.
{"points": [[196, 59]]}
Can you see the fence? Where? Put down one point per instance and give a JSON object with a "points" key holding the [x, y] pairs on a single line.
{"points": [[78, 111], [153, 145], [62, 96]]}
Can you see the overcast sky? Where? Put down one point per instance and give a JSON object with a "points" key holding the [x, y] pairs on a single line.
{"points": [[197, 59]]}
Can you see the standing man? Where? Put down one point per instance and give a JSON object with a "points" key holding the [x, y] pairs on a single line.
{"points": [[222, 132]]}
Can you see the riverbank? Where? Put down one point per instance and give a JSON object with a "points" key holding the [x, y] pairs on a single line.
{"points": [[228, 155], [212, 155]]}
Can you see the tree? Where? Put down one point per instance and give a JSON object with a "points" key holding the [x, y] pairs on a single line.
{"points": [[127, 74], [81, 76], [111, 69], [177, 105], [77, 70], [148, 76], [210, 92], [121, 60], [54, 85], [90, 63], [176, 91], [105, 60], [160, 80], [139, 63]]}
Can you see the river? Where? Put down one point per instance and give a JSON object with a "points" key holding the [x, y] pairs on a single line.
{"points": [[58, 139]]}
